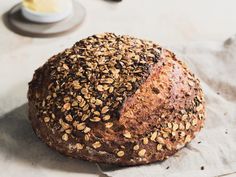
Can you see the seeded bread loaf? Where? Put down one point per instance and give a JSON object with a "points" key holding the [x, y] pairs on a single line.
{"points": [[116, 99]]}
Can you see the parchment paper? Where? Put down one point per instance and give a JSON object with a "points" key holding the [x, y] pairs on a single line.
{"points": [[213, 151], [214, 148]]}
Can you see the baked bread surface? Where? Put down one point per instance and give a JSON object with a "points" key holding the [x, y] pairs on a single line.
{"points": [[116, 99]]}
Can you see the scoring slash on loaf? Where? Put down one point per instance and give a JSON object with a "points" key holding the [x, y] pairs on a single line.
{"points": [[116, 99]]}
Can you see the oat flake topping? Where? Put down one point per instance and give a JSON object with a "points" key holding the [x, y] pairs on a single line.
{"points": [[91, 81]]}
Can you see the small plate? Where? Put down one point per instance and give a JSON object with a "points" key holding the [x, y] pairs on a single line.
{"points": [[16, 21]]}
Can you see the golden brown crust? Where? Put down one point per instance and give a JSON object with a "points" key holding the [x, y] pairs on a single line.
{"points": [[158, 118]]}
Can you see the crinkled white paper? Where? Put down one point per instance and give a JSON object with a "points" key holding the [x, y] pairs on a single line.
{"points": [[214, 148]]}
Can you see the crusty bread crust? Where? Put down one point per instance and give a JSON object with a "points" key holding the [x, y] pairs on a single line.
{"points": [[162, 116]]}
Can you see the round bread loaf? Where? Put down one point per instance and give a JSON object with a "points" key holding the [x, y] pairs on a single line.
{"points": [[116, 99]]}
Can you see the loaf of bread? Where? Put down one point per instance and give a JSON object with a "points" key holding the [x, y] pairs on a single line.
{"points": [[116, 99]]}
